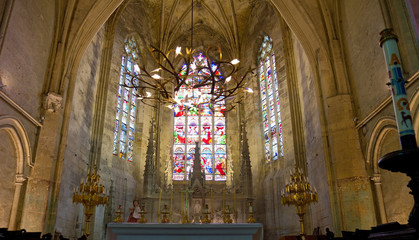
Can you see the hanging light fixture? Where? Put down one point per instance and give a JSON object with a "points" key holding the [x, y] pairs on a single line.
{"points": [[178, 78]]}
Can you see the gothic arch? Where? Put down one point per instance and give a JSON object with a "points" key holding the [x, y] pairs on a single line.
{"points": [[414, 108], [379, 132], [20, 140]]}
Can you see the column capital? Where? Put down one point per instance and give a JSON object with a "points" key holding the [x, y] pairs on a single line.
{"points": [[376, 178], [52, 102], [20, 179]]}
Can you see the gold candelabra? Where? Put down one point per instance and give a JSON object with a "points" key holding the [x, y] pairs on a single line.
{"points": [[299, 193], [251, 218], [118, 215], [227, 213], [206, 218], [91, 194], [142, 215], [164, 212]]}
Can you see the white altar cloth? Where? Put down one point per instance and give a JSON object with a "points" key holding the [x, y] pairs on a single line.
{"points": [[172, 231]]}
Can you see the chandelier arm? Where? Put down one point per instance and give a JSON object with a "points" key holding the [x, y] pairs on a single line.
{"points": [[173, 71]]}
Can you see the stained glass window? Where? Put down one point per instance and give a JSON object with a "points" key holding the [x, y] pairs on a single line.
{"points": [[126, 105], [269, 93], [204, 124]]}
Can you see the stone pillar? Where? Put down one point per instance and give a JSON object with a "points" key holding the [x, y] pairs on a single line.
{"points": [[41, 180], [379, 195], [13, 224]]}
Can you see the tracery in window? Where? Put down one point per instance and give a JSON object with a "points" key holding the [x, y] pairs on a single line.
{"points": [[126, 106], [271, 110], [199, 124]]}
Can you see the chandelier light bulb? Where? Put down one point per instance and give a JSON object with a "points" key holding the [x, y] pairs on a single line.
{"points": [[136, 68], [178, 50], [155, 70], [249, 90], [235, 61], [193, 66], [148, 94], [228, 79], [156, 76]]}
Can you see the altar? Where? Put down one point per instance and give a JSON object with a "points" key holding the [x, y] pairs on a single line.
{"points": [[168, 231]]}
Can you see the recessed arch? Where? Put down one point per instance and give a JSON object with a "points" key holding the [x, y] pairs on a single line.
{"points": [[379, 132], [20, 138]]}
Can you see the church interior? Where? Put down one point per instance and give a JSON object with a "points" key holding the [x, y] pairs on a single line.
{"points": [[84, 100]]}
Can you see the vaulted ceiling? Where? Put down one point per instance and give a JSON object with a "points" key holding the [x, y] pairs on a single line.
{"points": [[216, 22]]}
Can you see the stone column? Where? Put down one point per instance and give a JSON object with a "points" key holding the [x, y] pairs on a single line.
{"points": [[20, 179], [379, 194], [41, 180]]}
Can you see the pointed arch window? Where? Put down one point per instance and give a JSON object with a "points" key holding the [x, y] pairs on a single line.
{"points": [[271, 110], [201, 124], [126, 105]]}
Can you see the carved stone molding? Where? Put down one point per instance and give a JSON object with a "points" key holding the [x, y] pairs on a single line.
{"points": [[376, 178], [53, 102], [20, 179]]}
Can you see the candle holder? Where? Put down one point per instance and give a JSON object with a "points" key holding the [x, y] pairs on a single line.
{"points": [[118, 218], [298, 192], [164, 212], [227, 213], [142, 215], [251, 218], [206, 213], [90, 194], [185, 219]]}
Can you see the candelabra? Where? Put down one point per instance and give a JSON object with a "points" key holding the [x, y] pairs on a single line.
{"points": [[119, 218], [142, 215], [90, 194], [251, 218], [206, 213], [298, 192], [164, 212], [227, 213]]}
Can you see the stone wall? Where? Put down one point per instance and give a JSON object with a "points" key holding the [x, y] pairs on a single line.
{"points": [[76, 158]]}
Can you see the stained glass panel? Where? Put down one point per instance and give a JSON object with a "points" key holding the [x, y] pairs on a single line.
{"points": [[270, 107], [220, 163], [126, 104], [203, 123], [179, 162]]}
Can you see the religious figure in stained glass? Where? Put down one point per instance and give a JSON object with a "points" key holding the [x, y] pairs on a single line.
{"points": [[126, 105], [269, 93], [199, 123]]}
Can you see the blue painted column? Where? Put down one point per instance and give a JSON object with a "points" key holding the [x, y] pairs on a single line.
{"points": [[388, 42]]}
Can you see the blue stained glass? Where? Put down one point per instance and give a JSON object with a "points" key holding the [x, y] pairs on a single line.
{"points": [[193, 124], [271, 108]]}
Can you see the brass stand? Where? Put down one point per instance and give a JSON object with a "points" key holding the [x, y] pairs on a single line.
{"points": [[164, 213], [142, 215], [90, 194], [227, 213], [251, 218], [185, 219], [299, 193], [206, 214], [118, 215]]}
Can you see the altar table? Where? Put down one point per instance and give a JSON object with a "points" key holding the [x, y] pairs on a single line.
{"points": [[173, 231]]}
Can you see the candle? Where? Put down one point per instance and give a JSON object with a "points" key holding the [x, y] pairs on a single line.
{"points": [[181, 202], [171, 205], [223, 198], [211, 202], [158, 211], [234, 207]]}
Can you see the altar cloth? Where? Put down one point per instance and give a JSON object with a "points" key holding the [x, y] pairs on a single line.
{"points": [[174, 231]]}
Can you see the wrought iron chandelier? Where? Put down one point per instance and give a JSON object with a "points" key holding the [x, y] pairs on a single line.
{"points": [[179, 80]]}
